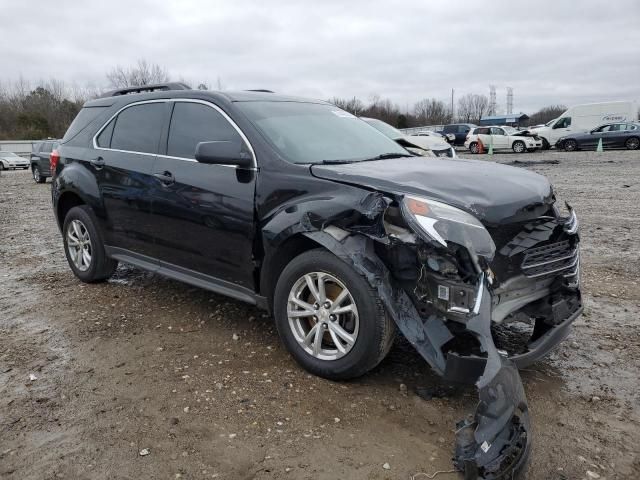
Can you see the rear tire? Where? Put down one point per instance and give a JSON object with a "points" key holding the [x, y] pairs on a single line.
{"points": [[570, 145], [370, 330], [632, 143], [37, 175], [531, 150], [473, 147], [84, 246]]}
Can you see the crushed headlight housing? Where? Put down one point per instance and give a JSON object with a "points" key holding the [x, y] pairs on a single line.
{"points": [[439, 223]]}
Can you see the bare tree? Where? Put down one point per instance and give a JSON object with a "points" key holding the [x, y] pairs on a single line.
{"points": [[472, 107], [545, 114], [431, 112], [352, 105], [143, 73]]}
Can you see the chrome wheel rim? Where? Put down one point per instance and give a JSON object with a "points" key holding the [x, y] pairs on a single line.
{"points": [[323, 316], [79, 245], [36, 174]]}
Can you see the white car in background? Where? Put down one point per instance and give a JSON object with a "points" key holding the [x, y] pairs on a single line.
{"points": [[11, 160], [502, 138], [427, 143]]}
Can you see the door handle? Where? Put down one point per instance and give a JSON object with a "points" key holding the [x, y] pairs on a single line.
{"points": [[97, 162], [166, 178]]}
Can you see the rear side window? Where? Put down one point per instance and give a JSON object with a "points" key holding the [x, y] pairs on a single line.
{"points": [[463, 129], [483, 131], [450, 129], [138, 128], [37, 147], [84, 118], [104, 139], [46, 147], [192, 123]]}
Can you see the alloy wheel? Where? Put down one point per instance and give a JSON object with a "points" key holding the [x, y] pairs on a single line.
{"points": [[633, 143], [570, 145], [36, 174], [79, 245], [323, 316], [518, 147]]}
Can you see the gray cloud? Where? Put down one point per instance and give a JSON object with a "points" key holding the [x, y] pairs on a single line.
{"points": [[549, 52]]}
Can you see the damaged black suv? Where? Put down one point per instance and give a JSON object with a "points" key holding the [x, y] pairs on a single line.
{"points": [[306, 211]]}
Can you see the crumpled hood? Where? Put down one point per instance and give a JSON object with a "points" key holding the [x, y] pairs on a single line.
{"points": [[494, 193]]}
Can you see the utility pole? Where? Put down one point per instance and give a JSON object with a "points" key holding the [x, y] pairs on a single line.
{"points": [[509, 100], [492, 99], [453, 113]]}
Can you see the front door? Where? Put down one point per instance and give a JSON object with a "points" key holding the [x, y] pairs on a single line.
{"points": [[204, 213], [499, 138], [123, 163]]}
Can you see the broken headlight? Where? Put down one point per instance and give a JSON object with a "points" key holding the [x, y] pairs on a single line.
{"points": [[440, 223]]}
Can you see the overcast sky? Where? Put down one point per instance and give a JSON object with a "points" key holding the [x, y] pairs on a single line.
{"points": [[548, 51]]}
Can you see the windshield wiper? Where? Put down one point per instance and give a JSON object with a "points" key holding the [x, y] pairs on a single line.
{"points": [[382, 156], [385, 156]]}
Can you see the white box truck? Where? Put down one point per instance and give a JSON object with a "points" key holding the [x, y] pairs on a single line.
{"points": [[583, 118]]}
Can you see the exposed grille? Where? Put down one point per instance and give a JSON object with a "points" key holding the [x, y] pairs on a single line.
{"points": [[557, 258]]}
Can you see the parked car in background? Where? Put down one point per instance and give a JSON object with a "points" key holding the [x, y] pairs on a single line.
{"points": [[40, 159], [459, 132], [584, 118], [502, 138], [426, 143], [9, 160], [613, 135]]}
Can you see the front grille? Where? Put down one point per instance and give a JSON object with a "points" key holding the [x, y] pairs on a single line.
{"points": [[554, 259]]}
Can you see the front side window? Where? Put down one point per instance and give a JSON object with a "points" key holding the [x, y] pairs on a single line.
{"points": [[463, 129], [138, 128], [497, 131], [604, 128], [192, 123], [315, 132], [563, 123]]}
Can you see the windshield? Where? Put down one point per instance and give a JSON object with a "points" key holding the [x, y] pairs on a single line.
{"points": [[317, 133], [510, 130], [384, 128]]}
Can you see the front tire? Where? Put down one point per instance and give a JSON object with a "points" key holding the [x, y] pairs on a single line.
{"points": [[37, 175], [329, 317], [519, 146], [545, 144], [632, 143], [84, 246], [570, 145]]}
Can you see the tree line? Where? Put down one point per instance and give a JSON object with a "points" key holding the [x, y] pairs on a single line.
{"points": [[45, 110]]}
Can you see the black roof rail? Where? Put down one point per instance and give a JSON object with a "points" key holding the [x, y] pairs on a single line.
{"points": [[263, 90], [146, 89]]}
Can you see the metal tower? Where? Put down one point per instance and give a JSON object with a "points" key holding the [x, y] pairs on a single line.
{"points": [[492, 99], [509, 100]]}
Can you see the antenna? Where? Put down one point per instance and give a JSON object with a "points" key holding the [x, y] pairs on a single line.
{"points": [[509, 100], [492, 99]]}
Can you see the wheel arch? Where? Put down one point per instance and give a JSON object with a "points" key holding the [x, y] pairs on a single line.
{"points": [[276, 261], [66, 202]]}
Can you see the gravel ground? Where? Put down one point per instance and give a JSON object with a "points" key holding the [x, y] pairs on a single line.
{"points": [[144, 377]]}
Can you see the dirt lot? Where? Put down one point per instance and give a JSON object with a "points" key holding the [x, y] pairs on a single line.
{"points": [[204, 385]]}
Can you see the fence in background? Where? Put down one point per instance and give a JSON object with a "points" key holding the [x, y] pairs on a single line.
{"points": [[19, 147], [418, 130]]}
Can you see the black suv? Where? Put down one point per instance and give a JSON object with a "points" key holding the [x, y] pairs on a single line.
{"points": [[300, 208], [40, 159], [458, 130]]}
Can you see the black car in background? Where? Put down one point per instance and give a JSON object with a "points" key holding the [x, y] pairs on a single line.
{"points": [[302, 209], [40, 159], [613, 135], [459, 130]]}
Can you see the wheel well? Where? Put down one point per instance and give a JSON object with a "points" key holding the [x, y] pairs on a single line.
{"points": [[66, 202], [275, 264]]}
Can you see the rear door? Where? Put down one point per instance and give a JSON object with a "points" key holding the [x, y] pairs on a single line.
{"points": [[204, 213], [126, 149]]}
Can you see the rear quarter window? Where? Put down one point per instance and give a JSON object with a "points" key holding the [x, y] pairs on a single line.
{"points": [[84, 118]]}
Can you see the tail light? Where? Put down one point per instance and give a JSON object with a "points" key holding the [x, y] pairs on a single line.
{"points": [[54, 157]]}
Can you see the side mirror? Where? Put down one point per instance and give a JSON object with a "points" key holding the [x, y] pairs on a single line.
{"points": [[223, 152]]}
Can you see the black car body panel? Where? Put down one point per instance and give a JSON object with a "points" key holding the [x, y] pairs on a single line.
{"points": [[233, 229]]}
